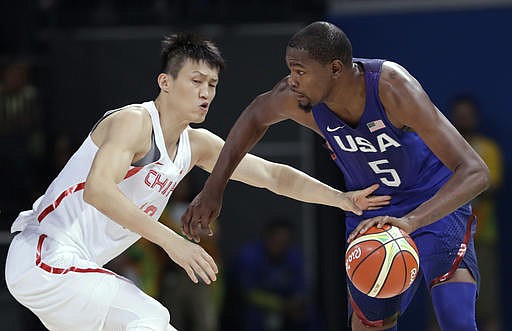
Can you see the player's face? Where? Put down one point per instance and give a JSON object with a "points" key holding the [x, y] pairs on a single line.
{"points": [[309, 79], [194, 89]]}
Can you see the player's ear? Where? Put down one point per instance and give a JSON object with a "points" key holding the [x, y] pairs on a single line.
{"points": [[164, 82], [337, 68]]}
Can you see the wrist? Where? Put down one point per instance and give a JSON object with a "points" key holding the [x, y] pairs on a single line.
{"points": [[171, 241], [413, 222], [214, 185]]}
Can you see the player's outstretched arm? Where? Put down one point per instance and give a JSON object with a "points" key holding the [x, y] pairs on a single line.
{"points": [[283, 179], [121, 137], [250, 127]]}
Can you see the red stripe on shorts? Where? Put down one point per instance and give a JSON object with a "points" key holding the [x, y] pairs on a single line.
{"points": [[458, 257], [55, 270]]}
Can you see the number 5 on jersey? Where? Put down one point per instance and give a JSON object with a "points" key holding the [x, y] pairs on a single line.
{"points": [[391, 178]]}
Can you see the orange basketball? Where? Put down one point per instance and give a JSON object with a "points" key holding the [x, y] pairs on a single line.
{"points": [[382, 262]]}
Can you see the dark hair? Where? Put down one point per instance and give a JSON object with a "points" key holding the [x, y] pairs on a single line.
{"points": [[324, 42], [179, 47], [464, 98], [277, 223]]}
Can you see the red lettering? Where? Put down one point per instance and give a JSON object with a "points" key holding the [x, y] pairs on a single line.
{"points": [[158, 183], [147, 180], [150, 210]]}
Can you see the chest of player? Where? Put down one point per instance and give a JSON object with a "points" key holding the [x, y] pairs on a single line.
{"points": [[354, 143], [156, 179]]}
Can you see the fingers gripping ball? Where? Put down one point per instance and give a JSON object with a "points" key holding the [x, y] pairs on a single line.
{"points": [[382, 262]]}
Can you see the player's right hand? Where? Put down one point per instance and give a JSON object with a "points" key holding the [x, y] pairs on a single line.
{"points": [[200, 213], [193, 258]]}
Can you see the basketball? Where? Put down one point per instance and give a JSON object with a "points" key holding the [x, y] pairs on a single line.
{"points": [[382, 262]]}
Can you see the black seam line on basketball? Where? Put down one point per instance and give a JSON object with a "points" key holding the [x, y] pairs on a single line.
{"points": [[395, 240], [387, 275], [367, 256], [380, 270], [393, 261], [385, 253]]}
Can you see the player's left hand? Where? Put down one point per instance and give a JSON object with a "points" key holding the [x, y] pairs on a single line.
{"points": [[379, 222], [357, 201]]}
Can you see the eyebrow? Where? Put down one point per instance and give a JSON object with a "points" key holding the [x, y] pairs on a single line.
{"points": [[295, 64], [204, 75]]}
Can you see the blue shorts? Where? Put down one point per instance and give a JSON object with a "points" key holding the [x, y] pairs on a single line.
{"points": [[438, 244]]}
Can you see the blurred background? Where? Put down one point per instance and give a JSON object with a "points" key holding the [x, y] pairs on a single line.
{"points": [[64, 63]]}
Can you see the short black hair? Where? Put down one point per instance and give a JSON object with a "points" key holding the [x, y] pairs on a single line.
{"points": [[324, 42], [464, 98], [179, 47], [277, 223]]}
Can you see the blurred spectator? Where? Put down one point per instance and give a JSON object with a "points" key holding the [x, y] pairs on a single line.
{"points": [[464, 112], [267, 291], [22, 136], [193, 307]]}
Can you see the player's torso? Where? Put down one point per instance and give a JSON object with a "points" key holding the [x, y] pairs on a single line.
{"points": [[65, 216], [375, 151]]}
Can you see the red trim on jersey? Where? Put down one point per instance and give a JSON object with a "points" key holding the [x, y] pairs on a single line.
{"points": [[50, 208], [55, 270], [132, 172], [458, 258], [76, 188]]}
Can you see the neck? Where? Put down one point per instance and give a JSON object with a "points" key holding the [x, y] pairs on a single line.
{"points": [[170, 121]]}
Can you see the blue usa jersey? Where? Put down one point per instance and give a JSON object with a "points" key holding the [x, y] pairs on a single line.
{"points": [[377, 152]]}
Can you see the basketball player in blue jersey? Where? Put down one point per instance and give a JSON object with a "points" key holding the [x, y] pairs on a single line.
{"points": [[382, 128], [113, 190]]}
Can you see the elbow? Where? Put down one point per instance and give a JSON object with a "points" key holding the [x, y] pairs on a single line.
{"points": [[91, 193], [485, 177], [480, 177]]}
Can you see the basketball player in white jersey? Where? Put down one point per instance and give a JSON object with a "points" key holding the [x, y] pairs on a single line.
{"points": [[113, 190]]}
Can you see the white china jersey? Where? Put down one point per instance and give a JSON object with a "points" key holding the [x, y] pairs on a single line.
{"points": [[62, 214]]}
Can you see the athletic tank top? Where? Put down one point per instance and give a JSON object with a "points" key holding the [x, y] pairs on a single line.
{"points": [[377, 152], [62, 213]]}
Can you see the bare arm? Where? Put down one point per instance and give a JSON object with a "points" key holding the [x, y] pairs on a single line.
{"points": [[276, 177], [245, 133], [122, 138], [280, 178], [407, 104], [266, 109]]}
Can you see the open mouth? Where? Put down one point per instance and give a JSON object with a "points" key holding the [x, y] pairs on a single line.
{"points": [[204, 106]]}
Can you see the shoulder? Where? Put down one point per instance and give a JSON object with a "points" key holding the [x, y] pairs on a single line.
{"points": [[397, 85], [203, 141], [131, 123], [135, 115], [196, 135], [131, 117], [394, 76]]}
